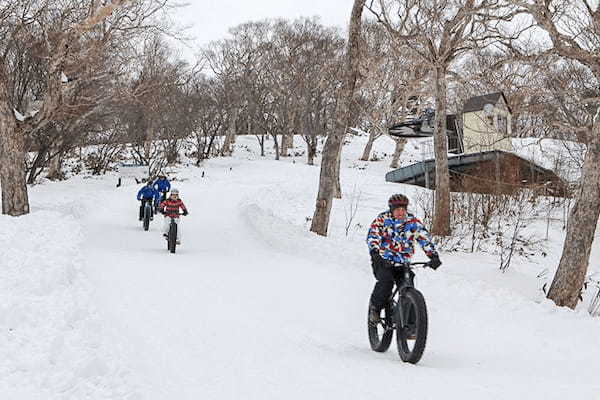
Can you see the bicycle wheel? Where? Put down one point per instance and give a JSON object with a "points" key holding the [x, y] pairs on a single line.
{"points": [[380, 334], [172, 242], [147, 212], [411, 334]]}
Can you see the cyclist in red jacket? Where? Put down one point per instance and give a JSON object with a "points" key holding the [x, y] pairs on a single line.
{"points": [[170, 208]]}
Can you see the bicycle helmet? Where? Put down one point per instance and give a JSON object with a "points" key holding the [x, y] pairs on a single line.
{"points": [[397, 200], [174, 191]]}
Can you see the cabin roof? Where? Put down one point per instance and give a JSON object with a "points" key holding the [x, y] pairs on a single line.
{"points": [[478, 102]]}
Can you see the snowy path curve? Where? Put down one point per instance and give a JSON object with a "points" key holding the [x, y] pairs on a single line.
{"points": [[242, 312]]}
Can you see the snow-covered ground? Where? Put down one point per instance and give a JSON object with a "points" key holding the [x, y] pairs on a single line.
{"points": [[253, 306]]}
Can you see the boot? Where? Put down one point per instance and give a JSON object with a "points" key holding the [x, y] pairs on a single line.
{"points": [[374, 315]]}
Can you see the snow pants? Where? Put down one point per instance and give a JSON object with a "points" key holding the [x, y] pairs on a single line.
{"points": [[167, 224], [143, 203], [386, 277]]}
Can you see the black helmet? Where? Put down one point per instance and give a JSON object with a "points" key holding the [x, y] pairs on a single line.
{"points": [[397, 200]]}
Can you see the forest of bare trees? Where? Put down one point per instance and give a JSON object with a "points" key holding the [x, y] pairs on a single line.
{"points": [[107, 75]]}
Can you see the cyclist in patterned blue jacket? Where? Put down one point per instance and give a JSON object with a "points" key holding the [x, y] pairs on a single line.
{"points": [[391, 240], [147, 194], [162, 186]]}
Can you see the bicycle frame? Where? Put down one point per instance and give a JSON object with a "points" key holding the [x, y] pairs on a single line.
{"points": [[408, 281]]}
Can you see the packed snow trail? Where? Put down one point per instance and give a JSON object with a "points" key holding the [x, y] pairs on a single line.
{"points": [[252, 307]]}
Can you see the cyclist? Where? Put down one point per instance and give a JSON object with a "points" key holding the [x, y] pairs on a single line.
{"points": [[147, 194], [162, 186], [391, 240], [170, 208]]}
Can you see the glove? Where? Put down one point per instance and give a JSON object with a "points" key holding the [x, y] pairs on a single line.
{"points": [[185, 212], [375, 257], [435, 262]]}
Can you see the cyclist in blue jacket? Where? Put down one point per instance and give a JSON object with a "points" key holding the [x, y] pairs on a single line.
{"points": [[162, 186], [147, 194]]}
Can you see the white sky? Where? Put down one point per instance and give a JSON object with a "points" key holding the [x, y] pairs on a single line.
{"points": [[210, 19]]}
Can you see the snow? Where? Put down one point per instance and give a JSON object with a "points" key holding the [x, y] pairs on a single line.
{"points": [[20, 117], [253, 306], [52, 340], [563, 157]]}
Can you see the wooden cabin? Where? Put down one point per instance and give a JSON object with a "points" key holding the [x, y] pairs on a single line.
{"points": [[481, 138]]}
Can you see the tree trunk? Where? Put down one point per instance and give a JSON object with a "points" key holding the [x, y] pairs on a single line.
{"points": [[15, 200], [311, 149], [226, 150], [337, 190], [262, 146], [400, 143], [287, 140], [329, 176], [581, 227], [441, 217], [200, 147], [368, 148], [38, 163], [209, 148], [148, 145], [55, 169], [276, 147], [13, 174]]}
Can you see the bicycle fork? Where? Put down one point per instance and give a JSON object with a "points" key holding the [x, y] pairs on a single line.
{"points": [[398, 307]]}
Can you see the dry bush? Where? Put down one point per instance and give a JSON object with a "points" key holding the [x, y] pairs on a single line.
{"points": [[493, 223]]}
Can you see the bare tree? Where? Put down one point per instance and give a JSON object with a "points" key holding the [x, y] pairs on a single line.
{"points": [[329, 177], [210, 116], [69, 44], [574, 31], [390, 78], [439, 32], [234, 62]]}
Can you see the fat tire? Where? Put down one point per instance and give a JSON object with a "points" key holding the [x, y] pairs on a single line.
{"points": [[147, 212], [413, 297], [172, 242], [381, 344]]}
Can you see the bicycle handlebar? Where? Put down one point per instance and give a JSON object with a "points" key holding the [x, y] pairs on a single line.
{"points": [[421, 264]]}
